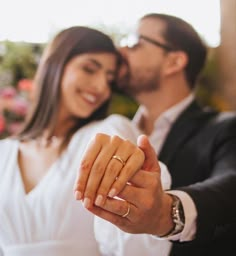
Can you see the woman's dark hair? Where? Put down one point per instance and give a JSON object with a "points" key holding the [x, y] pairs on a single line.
{"points": [[180, 35], [66, 45]]}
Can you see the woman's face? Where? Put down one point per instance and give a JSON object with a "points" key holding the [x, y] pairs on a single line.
{"points": [[86, 83]]}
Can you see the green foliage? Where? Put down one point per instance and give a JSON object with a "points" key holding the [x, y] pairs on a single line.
{"points": [[209, 90], [17, 61], [123, 105]]}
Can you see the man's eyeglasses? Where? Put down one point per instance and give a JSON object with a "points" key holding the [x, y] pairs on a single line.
{"points": [[132, 40]]}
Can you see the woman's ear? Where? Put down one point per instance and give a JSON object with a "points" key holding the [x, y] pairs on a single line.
{"points": [[177, 61]]}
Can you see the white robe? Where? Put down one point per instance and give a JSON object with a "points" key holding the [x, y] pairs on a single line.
{"points": [[48, 220]]}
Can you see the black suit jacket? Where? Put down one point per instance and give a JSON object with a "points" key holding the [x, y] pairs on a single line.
{"points": [[200, 152]]}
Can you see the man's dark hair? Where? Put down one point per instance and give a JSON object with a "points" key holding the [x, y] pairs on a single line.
{"points": [[180, 35]]}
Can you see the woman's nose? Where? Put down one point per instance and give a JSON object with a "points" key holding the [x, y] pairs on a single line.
{"points": [[101, 84]]}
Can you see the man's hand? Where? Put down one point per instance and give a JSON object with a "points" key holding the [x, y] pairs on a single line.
{"points": [[150, 206]]}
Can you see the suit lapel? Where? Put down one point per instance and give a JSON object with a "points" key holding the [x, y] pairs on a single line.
{"points": [[191, 120]]}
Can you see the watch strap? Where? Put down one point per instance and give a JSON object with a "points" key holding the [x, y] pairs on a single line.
{"points": [[178, 218]]}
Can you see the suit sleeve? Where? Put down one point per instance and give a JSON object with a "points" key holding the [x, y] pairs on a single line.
{"points": [[214, 197]]}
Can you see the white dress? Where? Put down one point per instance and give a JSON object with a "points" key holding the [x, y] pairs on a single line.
{"points": [[48, 221]]}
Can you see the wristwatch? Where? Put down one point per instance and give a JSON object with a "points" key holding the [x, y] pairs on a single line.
{"points": [[177, 214]]}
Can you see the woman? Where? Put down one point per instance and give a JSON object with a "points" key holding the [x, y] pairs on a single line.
{"points": [[38, 213]]}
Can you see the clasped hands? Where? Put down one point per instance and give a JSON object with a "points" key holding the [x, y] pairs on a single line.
{"points": [[120, 182]]}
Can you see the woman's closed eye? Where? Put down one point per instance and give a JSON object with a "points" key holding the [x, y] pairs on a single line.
{"points": [[89, 70]]}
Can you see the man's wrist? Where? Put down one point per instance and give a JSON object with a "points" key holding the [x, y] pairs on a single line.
{"points": [[177, 216], [165, 219]]}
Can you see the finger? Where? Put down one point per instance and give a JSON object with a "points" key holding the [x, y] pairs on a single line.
{"points": [[113, 169], [151, 161], [119, 207], [143, 190], [99, 168], [144, 179], [93, 149], [134, 195], [96, 147], [132, 166]]}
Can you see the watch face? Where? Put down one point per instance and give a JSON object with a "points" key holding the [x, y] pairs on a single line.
{"points": [[177, 215]]}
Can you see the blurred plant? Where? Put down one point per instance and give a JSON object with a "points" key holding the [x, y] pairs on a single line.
{"points": [[209, 89], [18, 60], [14, 104], [123, 105]]}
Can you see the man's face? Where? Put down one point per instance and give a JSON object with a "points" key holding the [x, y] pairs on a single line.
{"points": [[145, 59]]}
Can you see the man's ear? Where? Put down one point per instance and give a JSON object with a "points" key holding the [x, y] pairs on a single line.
{"points": [[177, 61]]}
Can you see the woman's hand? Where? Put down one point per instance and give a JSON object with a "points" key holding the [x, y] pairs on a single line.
{"points": [[142, 206], [107, 165]]}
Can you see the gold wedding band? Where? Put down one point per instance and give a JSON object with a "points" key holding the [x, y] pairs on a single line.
{"points": [[119, 159], [128, 210]]}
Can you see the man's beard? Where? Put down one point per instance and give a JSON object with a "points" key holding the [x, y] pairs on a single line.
{"points": [[135, 85]]}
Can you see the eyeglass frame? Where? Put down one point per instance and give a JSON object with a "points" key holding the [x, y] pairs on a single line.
{"points": [[136, 38]]}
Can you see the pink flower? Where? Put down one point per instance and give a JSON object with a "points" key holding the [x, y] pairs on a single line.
{"points": [[8, 92], [2, 124], [20, 106], [25, 85], [13, 108]]}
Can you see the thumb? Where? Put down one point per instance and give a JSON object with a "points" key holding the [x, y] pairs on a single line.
{"points": [[151, 162]]}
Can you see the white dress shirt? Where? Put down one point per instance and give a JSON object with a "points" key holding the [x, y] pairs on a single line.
{"points": [[161, 129]]}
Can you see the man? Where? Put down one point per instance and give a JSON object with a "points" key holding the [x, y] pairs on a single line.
{"points": [[198, 146]]}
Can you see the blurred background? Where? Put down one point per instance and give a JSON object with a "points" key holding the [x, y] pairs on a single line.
{"points": [[27, 25]]}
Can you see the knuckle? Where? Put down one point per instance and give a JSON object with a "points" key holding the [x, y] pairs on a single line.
{"points": [[85, 165], [129, 144], [100, 136], [98, 168], [115, 139]]}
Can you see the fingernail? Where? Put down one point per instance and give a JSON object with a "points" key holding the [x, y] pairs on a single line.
{"points": [[78, 195], [87, 202], [112, 192], [99, 200]]}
